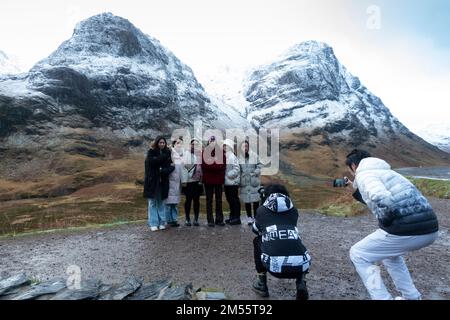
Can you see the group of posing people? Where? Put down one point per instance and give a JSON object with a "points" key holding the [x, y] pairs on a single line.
{"points": [[171, 171], [405, 218]]}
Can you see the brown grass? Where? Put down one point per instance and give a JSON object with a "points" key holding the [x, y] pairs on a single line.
{"points": [[62, 190]]}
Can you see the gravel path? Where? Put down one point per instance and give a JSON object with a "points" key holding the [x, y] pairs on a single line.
{"points": [[221, 257]]}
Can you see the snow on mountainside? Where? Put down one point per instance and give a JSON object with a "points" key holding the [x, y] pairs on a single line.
{"points": [[84, 116], [320, 108], [438, 135], [8, 65], [109, 74], [323, 110], [307, 88], [225, 85]]}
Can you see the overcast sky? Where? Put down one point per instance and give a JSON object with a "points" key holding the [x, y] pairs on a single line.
{"points": [[399, 49]]}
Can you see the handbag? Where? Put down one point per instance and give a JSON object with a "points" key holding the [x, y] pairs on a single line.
{"points": [[197, 172]]}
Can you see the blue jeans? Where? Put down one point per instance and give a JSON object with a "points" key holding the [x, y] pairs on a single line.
{"points": [[171, 212], [156, 212]]}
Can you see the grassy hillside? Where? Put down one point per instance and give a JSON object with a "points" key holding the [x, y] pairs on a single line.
{"points": [[88, 183], [320, 154], [432, 188]]}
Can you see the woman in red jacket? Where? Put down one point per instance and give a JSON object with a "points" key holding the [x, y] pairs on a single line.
{"points": [[213, 168]]}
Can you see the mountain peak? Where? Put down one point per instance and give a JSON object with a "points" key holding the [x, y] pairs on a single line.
{"points": [[310, 45], [111, 75], [307, 88], [104, 22], [106, 36], [105, 18], [107, 33], [308, 48]]}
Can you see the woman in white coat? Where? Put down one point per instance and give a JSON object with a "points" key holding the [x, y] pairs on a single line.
{"points": [[250, 181], [173, 199], [191, 179]]}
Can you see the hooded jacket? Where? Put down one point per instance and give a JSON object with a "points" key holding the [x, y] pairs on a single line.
{"points": [[282, 249], [250, 178], [174, 194], [192, 170], [399, 207], [157, 170], [232, 170]]}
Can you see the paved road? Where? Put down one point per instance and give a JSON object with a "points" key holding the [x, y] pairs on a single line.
{"points": [[430, 172]]}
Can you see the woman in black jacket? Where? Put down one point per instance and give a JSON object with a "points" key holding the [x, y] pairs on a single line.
{"points": [[158, 166]]}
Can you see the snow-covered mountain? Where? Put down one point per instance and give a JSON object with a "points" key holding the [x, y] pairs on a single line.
{"points": [[307, 88], [8, 65], [109, 74], [438, 135], [110, 81], [321, 108]]}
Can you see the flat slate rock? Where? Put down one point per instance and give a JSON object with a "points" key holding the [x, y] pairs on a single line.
{"points": [[120, 292], [90, 290], [150, 291], [19, 287], [183, 292], [9, 284], [206, 295], [38, 290]]}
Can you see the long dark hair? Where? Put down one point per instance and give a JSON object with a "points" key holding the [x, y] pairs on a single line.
{"points": [[247, 153], [155, 143]]}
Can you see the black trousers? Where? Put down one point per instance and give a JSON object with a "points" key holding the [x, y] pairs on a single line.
{"points": [[232, 195], [260, 267], [248, 209], [257, 255], [192, 194], [212, 190]]}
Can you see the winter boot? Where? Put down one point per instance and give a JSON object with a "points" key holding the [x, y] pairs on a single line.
{"points": [[260, 285], [302, 290]]}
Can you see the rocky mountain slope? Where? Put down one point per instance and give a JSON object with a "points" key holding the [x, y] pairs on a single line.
{"points": [[324, 111], [99, 98], [108, 75], [82, 116]]}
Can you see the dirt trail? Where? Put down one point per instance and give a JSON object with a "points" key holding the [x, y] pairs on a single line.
{"points": [[221, 257]]}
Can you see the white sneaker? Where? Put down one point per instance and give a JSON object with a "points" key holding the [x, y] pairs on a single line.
{"points": [[250, 221], [154, 229], [399, 298], [162, 227]]}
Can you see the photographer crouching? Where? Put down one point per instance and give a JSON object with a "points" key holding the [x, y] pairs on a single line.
{"points": [[406, 223], [278, 248]]}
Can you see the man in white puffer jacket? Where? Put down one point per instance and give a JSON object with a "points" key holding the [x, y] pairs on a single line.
{"points": [[406, 220]]}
